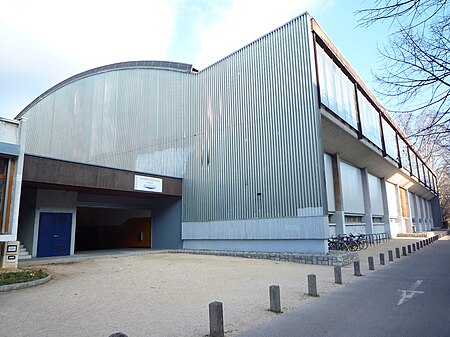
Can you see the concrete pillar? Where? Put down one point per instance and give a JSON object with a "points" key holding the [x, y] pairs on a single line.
{"points": [[338, 217], [367, 218], [357, 268], [274, 298], [312, 285], [338, 274], [216, 319], [371, 264], [390, 255], [386, 217]]}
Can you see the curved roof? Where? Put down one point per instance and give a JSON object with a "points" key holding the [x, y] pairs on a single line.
{"points": [[164, 65]]}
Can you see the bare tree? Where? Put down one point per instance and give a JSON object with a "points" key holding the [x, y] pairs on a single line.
{"points": [[415, 80], [416, 76]]}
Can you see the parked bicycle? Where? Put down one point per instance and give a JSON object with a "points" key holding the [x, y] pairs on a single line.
{"points": [[348, 242]]}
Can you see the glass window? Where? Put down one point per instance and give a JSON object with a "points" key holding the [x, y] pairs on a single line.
{"points": [[413, 164], [390, 140], [370, 120], [404, 155], [336, 90]]}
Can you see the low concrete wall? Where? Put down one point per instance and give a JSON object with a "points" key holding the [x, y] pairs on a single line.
{"points": [[330, 259]]}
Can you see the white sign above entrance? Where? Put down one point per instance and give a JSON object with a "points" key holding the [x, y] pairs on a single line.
{"points": [[147, 184]]}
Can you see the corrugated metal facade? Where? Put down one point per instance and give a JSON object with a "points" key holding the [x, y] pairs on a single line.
{"points": [[243, 133]]}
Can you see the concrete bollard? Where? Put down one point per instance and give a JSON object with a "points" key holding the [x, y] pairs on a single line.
{"points": [[421, 244], [357, 268], [390, 255], [417, 245], [397, 253], [404, 251], [274, 298], [414, 247], [312, 285], [371, 264], [337, 274], [382, 259], [216, 319], [409, 249]]}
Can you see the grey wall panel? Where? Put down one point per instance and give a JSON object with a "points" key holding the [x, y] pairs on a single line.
{"points": [[352, 190], [166, 224], [243, 134]]}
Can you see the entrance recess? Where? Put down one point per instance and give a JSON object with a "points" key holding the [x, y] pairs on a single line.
{"points": [[54, 234]]}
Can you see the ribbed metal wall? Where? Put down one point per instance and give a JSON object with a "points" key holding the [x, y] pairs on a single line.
{"points": [[243, 133]]}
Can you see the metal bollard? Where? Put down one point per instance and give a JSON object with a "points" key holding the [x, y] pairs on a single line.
{"points": [[418, 245], [371, 264], [312, 285], [357, 268], [421, 244], [382, 259], [409, 249], [390, 255], [338, 274], [216, 319], [397, 253], [414, 247], [274, 298], [404, 251]]}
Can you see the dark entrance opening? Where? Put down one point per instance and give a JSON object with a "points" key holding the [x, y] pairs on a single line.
{"points": [[111, 228]]}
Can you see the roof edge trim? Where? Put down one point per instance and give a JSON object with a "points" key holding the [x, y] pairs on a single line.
{"points": [[164, 65]]}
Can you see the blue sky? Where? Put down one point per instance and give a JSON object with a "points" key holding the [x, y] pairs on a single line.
{"points": [[44, 42]]}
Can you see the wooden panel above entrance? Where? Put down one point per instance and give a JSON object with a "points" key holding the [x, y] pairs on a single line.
{"points": [[59, 174]]}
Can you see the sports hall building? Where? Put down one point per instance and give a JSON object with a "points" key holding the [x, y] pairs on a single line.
{"points": [[276, 147]]}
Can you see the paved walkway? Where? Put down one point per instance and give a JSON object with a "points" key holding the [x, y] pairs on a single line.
{"points": [[148, 293], [404, 299]]}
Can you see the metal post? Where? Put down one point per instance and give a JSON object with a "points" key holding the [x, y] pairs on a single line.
{"points": [[404, 251], [357, 268], [414, 247], [418, 245], [312, 285], [390, 255], [382, 259], [216, 319], [409, 249], [371, 264], [274, 297], [397, 253], [337, 274]]}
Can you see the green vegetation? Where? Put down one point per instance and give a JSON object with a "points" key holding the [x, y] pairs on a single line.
{"points": [[21, 276]]}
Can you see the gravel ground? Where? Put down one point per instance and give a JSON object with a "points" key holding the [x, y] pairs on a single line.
{"points": [[164, 294]]}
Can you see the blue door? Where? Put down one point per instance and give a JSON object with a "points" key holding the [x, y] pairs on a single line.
{"points": [[54, 234]]}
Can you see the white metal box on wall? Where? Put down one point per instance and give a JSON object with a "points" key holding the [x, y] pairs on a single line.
{"points": [[9, 254]]}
